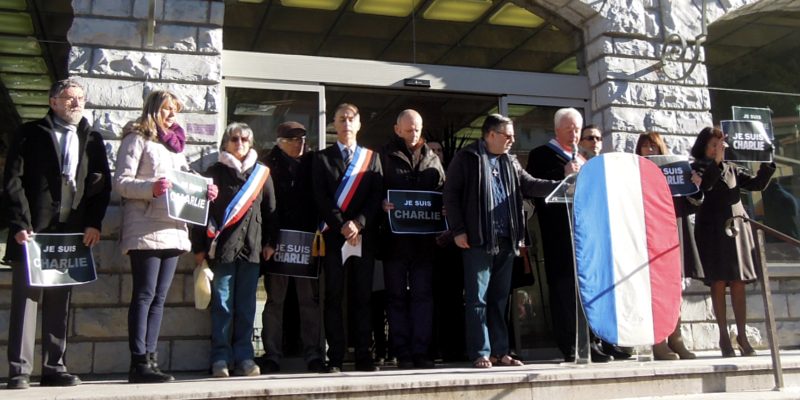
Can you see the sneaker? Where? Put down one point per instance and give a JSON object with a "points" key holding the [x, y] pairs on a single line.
{"points": [[22, 381], [247, 368], [219, 369]]}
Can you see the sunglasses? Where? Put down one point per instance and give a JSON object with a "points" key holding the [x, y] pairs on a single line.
{"points": [[237, 139], [298, 139]]}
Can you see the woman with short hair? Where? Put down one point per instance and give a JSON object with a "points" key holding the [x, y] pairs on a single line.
{"points": [[242, 227]]}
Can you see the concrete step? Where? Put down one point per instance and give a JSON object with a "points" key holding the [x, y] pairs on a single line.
{"points": [[705, 377]]}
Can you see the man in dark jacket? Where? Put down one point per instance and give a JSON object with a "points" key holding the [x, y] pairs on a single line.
{"points": [[348, 188], [409, 164], [549, 161], [291, 171], [483, 199], [56, 181]]}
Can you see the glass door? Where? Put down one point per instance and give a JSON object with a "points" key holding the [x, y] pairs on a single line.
{"points": [[265, 105]]}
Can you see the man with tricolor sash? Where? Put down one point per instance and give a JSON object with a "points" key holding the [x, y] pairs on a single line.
{"points": [[348, 189]]}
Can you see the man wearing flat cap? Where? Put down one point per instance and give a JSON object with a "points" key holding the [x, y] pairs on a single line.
{"points": [[290, 164]]}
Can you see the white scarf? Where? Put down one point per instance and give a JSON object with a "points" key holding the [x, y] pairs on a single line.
{"points": [[69, 143], [240, 166]]}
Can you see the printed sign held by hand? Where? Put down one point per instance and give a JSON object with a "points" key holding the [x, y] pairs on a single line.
{"points": [[747, 141], [59, 260], [187, 199]]}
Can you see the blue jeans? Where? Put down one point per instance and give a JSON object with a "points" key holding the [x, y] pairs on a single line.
{"points": [[233, 309], [487, 283]]}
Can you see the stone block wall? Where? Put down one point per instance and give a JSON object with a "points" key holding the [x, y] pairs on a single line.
{"points": [[111, 57], [699, 327]]}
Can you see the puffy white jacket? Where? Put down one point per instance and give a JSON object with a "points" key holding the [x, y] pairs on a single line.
{"points": [[146, 224]]}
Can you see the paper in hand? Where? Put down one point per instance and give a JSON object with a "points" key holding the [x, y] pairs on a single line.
{"points": [[349, 250]]}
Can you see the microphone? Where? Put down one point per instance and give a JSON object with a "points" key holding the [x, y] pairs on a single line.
{"points": [[574, 151]]}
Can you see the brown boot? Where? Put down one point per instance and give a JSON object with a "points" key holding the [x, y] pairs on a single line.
{"points": [[662, 352], [675, 342]]}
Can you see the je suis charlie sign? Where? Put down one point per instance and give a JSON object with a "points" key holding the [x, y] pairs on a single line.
{"points": [[678, 173], [293, 255], [58, 260], [749, 135], [187, 199], [416, 212]]}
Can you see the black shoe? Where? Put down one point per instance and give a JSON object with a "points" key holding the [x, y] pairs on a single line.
{"points": [[615, 351], [331, 368], [268, 366], [423, 362], [59, 379], [142, 371], [152, 358], [597, 354], [405, 363], [366, 365], [22, 381], [315, 365]]}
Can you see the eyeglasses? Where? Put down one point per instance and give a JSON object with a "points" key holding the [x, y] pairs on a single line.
{"points": [[237, 139], [593, 138], [298, 139], [508, 136], [70, 99]]}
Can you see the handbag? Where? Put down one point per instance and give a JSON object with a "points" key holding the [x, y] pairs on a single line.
{"points": [[202, 286]]}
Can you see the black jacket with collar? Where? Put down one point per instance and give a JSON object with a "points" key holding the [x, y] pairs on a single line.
{"points": [[294, 199], [32, 182], [327, 171], [465, 199], [257, 228], [399, 173]]}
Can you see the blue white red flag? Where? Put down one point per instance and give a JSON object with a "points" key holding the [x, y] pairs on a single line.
{"points": [[626, 250]]}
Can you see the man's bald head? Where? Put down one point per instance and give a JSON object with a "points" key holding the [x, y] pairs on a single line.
{"points": [[409, 127]]}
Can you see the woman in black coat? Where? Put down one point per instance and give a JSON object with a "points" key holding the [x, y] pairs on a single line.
{"points": [[727, 261]]}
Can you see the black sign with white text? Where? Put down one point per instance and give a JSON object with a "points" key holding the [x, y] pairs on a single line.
{"points": [[187, 199], [416, 212], [293, 255], [747, 141], [763, 115], [59, 260], [678, 173]]}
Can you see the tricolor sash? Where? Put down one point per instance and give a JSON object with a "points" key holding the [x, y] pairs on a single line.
{"points": [[352, 177], [239, 205], [347, 189]]}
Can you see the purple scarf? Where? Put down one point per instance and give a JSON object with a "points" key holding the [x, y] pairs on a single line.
{"points": [[173, 138]]}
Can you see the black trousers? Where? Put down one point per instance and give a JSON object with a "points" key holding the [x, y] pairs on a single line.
{"points": [[22, 325], [359, 270]]}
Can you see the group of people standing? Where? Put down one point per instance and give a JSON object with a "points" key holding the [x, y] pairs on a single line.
{"points": [[59, 160]]}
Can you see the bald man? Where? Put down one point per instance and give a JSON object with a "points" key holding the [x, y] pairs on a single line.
{"points": [[409, 164]]}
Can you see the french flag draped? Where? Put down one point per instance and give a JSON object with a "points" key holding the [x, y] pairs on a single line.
{"points": [[626, 250]]}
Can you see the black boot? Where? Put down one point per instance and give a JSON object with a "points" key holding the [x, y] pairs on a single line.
{"points": [[153, 359], [141, 371]]}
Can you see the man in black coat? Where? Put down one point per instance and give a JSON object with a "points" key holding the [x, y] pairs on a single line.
{"points": [[56, 181], [348, 189], [409, 164], [548, 162], [291, 171], [483, 198]]}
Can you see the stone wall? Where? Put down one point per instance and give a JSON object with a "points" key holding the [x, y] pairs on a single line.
{"points": [[111, 58]]}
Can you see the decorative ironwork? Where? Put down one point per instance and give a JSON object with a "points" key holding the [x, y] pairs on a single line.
{"points": [[675, 47]]}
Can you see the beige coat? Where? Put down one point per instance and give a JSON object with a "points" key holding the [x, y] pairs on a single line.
{"points": [[145, 222]]}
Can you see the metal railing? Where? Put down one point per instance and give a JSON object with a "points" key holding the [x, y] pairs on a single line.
{"points": [[763, 277]]}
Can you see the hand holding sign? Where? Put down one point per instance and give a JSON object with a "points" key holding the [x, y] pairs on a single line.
{"points": [[160, 186]]}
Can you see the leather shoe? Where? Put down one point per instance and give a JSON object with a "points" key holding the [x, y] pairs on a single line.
{"points": [[60, 379], [315, 365], [19, 382], [597, 354], [366, 365], [405, 362], [269, 366], [615, 351], [331, 369]]}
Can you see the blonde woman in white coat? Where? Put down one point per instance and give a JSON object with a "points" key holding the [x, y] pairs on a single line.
{"points": [[151, 147]]}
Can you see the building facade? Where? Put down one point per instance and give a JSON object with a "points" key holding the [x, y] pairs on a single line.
{"points": [[629, 66]]}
